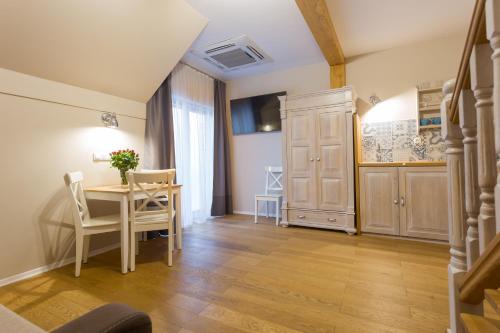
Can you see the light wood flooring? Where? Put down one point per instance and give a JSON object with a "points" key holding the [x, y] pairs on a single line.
{"points": [[235, 276]]}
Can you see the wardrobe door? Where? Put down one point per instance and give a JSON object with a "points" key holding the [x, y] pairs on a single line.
{"points": [[424, 202], [301, 162], [379, 200], [330, 159]]}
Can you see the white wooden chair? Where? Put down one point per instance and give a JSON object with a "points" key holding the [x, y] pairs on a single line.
{"points": [[151, 187], [274, 191], [85, 226]]}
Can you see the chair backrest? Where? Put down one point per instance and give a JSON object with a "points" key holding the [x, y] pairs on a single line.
{"points": [[274, 180], [151, 185], [79, 207]]}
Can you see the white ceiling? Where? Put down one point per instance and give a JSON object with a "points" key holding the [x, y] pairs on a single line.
{"points": [[120, 47], [277, 26], [363, 26]]}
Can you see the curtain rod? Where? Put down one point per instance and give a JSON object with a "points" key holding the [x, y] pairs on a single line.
{"points": [[200, 71]]}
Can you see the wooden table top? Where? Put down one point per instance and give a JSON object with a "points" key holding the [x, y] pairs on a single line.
{"points": [[122, 189]]}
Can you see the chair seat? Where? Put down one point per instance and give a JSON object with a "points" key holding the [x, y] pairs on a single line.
{"points": [[101, 221], [153, 218], [268, 196]]}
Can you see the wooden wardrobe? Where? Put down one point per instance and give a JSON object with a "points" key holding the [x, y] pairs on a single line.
{"points": [[318, 159]]}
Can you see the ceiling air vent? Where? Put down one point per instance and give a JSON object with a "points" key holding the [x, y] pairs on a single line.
{"points": [[235, 53]]}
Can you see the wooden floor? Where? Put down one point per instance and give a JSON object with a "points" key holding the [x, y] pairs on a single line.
{"points": [[235, 276]]}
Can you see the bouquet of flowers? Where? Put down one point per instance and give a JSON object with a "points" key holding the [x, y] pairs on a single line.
{"points": [[124, 160]]}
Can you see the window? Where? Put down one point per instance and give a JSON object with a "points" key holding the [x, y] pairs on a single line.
{"points": [[193, 114]]}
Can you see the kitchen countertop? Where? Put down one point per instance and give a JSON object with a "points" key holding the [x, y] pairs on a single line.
{"points": [[403, 164]]}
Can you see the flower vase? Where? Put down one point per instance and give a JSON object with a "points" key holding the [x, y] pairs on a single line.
{"points": [[123, 175]]}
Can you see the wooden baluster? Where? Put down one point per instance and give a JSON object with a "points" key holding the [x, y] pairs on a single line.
{"points": [[481, 69], [456, 206], [467, 112], [493, 34]]}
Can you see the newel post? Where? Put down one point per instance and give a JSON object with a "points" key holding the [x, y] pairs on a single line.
{"points": [[492, 10], [481, 70], [456, 206], [468, 124]]}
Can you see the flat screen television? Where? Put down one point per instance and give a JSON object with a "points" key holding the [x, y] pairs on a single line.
{"points": [[256, 114]]}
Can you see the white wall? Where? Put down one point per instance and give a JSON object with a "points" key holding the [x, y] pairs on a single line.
{"points": [[252, 152], [42, 139], [394, 74]]}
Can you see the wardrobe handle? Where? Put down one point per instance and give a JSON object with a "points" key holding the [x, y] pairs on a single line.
{"points": [[332, 220], [402, 201], [301, 217]]}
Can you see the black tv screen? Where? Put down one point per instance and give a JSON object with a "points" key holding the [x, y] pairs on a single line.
{"points": [[256, 114]]}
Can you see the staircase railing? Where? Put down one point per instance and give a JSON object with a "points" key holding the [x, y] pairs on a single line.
{"points": [[474, 34], [484, 274], [470, 113]]}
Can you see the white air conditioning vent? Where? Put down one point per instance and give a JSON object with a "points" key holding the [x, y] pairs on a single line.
{"points": [[234, 54]]}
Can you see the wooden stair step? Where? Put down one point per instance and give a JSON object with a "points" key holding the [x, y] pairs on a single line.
{"points": [[478, 324], [493, 297]]}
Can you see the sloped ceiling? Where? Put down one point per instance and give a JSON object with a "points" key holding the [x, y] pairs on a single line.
{"points": [[365, 26], [124, 48]]}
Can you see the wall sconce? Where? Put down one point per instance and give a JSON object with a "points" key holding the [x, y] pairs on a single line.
{"points": [[109, 120], [267, 128], [374, 99]]}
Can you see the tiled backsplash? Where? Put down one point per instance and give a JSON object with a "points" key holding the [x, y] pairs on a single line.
{"points": [[398, 141]]}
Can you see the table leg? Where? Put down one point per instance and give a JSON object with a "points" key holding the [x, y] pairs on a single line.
{"points": [[124, 232], [178, 222]]}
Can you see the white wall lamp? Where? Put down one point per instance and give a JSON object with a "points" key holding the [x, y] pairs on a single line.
{"points": [[109, 120]]}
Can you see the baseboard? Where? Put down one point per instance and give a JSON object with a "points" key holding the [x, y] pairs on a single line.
{"points": [[421, 240], [49, 267], [244, 212]]}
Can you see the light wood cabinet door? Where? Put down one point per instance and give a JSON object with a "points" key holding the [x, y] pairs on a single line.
{"points": [[423, 202], [301, 160], [331, 161], [379, 204]]}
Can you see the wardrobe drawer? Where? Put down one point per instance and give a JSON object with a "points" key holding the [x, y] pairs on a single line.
{"points": [[327, 219]]}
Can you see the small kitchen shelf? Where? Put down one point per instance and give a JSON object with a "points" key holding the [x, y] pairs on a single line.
{"points": [[428, 106], [430, 90], [423, 127], [432, 108]]}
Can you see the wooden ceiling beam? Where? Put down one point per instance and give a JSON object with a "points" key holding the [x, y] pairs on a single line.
{"points": [[320, 23], [318, 19]]}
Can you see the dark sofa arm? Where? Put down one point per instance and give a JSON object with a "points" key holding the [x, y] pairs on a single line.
{"points": [[110, 318]]}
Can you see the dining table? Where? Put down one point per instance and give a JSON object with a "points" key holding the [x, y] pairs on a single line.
{"points": [[121, 194]]}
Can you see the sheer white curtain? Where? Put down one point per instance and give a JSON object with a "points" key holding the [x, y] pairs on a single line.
{"points": [[193, 113]]}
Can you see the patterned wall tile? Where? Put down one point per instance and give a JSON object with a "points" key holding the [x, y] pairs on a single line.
{"points": [[367, 130], [398, 141], [384, 155]]}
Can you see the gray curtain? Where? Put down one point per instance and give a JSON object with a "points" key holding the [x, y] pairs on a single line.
{"points": [[222, 200], [159, 138], [159, 151]]}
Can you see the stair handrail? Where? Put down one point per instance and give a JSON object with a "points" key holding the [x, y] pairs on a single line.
{"points": [[484, 274], [475, 33]]}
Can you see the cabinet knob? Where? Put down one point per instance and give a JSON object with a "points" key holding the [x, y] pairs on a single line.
{"points": [[402, 201], [311, 159], [317, 158], [301, 217], [396, 201]]}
